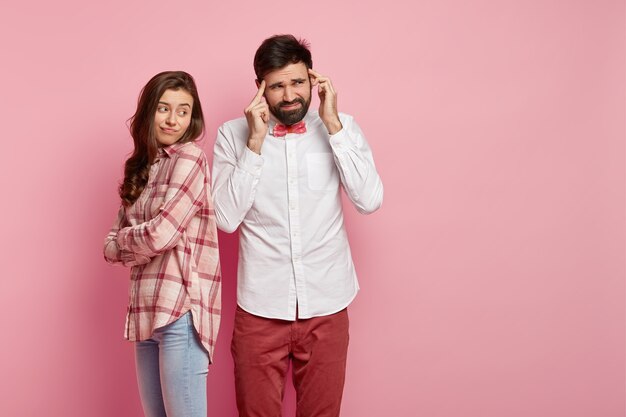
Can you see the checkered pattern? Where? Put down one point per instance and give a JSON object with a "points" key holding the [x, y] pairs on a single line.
{"points": [[169, 238]]}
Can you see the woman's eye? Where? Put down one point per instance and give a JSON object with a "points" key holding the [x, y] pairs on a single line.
{"points": [[162, 109], [182, 113]]}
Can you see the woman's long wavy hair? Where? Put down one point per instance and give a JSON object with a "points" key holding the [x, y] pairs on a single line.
{"points": [[137, 166]]}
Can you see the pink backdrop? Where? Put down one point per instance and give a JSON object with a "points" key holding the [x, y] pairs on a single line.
{"points": [[492, 278]]}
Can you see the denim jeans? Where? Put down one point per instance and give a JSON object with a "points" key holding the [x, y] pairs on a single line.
{"points": [[172, 369]]}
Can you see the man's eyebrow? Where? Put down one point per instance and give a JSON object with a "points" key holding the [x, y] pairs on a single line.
{"points": [[278, 84]]}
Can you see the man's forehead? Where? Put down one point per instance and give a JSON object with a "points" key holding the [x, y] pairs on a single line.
{"points": [[291, 71]]}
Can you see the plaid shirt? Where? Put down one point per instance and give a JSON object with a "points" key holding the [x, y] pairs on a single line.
{"points": [[169, 238]]}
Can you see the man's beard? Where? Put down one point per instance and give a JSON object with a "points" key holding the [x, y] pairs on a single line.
{"points": [[292, 116]]}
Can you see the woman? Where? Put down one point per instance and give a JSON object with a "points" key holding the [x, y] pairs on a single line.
{"points": [[165, 230]]}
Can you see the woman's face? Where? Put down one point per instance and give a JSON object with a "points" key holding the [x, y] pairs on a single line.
{"points": [[173, 116]]}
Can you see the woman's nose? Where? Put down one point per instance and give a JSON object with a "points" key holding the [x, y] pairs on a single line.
{"points": [[171, 119]]}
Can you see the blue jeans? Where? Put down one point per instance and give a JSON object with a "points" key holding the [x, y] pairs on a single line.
{"points": [[172, 369]]}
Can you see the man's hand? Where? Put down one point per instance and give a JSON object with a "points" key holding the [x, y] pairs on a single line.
{"points": [[328, 102], [258, 116]]}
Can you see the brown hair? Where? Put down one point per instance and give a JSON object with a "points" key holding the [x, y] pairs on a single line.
{"points": [[137, 166], [279, 51]]}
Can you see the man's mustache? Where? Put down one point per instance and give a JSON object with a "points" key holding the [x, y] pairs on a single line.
{"points": [[289, 103]]}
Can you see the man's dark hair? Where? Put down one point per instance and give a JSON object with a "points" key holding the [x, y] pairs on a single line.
{"points": [[279, 51]]}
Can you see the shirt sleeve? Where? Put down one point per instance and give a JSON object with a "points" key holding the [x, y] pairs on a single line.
{"points": [[183, 198], [112, 254], [355, 163], [235, 178]]}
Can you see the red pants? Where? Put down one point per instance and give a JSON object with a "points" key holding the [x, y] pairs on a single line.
{"points": [[262, 349]]}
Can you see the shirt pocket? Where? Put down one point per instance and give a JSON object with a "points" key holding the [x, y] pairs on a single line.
{"points": [[322, 173]]}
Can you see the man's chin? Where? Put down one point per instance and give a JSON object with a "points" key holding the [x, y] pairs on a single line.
{"points": [[291, 117]]}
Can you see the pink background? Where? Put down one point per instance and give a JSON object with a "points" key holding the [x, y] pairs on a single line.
{"points": [[492, 278]]}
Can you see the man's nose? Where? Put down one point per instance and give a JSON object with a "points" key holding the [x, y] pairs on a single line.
{"points": [[289, 95]]}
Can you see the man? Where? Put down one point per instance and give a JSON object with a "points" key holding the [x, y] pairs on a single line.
{"points": [[276, 176]]}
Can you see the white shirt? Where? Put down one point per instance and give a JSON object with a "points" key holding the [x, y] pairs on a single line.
{"points": [[293, 247]]}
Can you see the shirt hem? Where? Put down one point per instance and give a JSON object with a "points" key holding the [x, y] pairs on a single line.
{"points": [[309, 316]]}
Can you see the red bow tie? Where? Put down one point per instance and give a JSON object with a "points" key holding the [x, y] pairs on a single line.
{"points": [[282, 130]]}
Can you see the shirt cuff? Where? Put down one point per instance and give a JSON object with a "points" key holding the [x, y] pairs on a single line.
{"points": [[120, 240], [132, 259], [341, 142], [250, 162]]}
